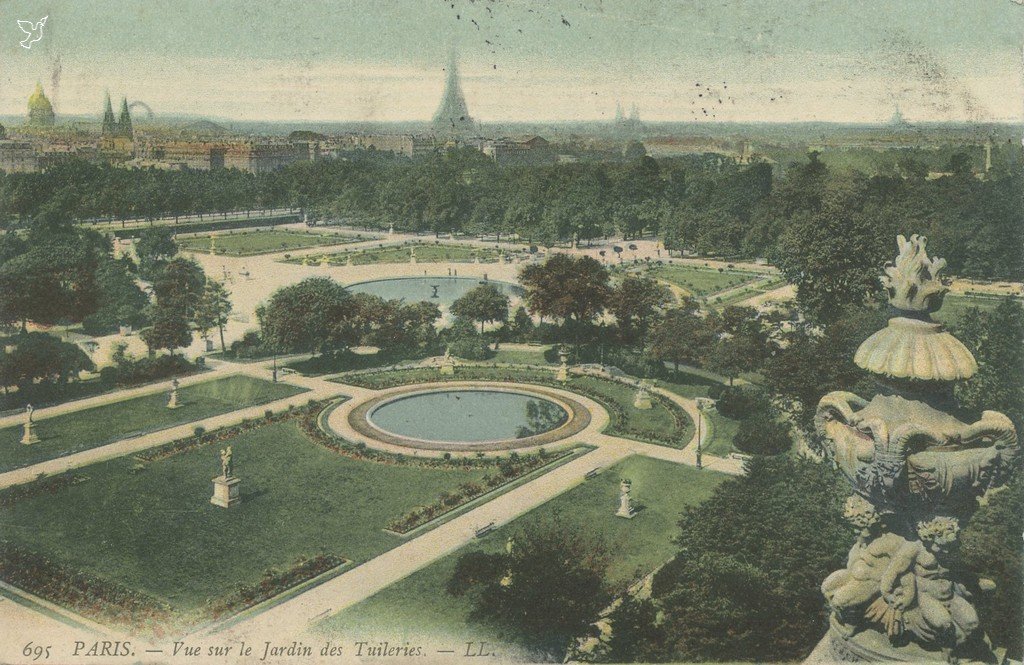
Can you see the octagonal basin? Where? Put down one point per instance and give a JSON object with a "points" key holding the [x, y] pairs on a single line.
{"points": [[467, 416], [441, 290]]}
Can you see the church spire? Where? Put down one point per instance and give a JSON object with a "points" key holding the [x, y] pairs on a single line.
{"points": [[109, 126], [124, 124]]}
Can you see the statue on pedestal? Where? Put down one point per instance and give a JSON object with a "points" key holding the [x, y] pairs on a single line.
{"points": [[917, 472], [563, 369], [642, 400], [172, 403], [625, 501], [226, 491], [29, 436], [447, 366], [412, 255]]}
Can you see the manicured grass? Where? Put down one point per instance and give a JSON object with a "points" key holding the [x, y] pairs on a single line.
{"points": [[687, 384], [955, 307], [722, 431], [418, 607], [520, 356], [261, 242], [155, 530], [701, 281], [345, 361], [662, 424], [402, 254], [80, 430], [658, 424], [749, 291]]}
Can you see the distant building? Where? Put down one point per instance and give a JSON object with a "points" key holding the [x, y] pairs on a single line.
{"points": [[510, 151], [40, 111], [408, 145], [16, 156], [251, 156], [627, 125], [452, 115]]}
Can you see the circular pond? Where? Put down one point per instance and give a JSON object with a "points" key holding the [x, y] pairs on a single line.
{"points": [[467, 416], [442, 290]]}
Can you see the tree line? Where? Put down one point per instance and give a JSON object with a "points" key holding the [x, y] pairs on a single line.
{"points": [[713, 207]]}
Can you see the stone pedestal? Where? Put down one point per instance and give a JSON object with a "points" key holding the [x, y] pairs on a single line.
{"points": [[563, 373], [642, 400], [172, 403], [29, 437], [447, 368], [625, 502], [226, 492]]}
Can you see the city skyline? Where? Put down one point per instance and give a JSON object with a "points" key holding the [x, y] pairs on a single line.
{"points": [[529, 62]]}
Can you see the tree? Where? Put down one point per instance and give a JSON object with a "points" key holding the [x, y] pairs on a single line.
{"points": [[761, 433], [179, 286], [213, 309], [42, 357], [682, 336], [996, 339], [154, 248], [566, 287], [170, 330], [991, 548], [313, 315], [750, 564], [832, 243], [547, 591], [636, 302], [121, 301], [636, 635], [484, 304], [742, 344], [813, 361]]}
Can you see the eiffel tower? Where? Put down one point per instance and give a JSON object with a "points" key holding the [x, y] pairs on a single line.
{"points": [[452, 116]]}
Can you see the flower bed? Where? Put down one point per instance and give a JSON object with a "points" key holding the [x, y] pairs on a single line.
{"points": [[13, 495], [91, 596], [223, 434], [510, 469], [275, 582]]}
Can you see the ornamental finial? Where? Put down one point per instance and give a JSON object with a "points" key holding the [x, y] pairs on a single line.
{"points": [[912, 280]]}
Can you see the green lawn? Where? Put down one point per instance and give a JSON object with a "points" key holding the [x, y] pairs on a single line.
{"points": [[81, 430], [723, 429], [955, 307], [155, 530], [656, 425], [251, 243], [418, 607], [402, 254], [701, 281], [520, 356]]}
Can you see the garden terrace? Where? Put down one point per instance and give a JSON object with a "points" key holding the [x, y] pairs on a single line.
{"points": [[251, 243], [89, 428], [117, 520]]}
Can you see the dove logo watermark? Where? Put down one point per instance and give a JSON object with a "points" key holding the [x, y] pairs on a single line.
{"points": [[33, 30]]}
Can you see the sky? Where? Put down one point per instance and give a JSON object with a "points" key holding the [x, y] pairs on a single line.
{"points": [[525, 60]]}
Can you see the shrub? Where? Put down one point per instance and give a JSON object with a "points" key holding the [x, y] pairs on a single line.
{"points": [[762, 435]]}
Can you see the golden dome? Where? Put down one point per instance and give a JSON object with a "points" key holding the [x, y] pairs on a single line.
{"points": [[40, 111]]}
